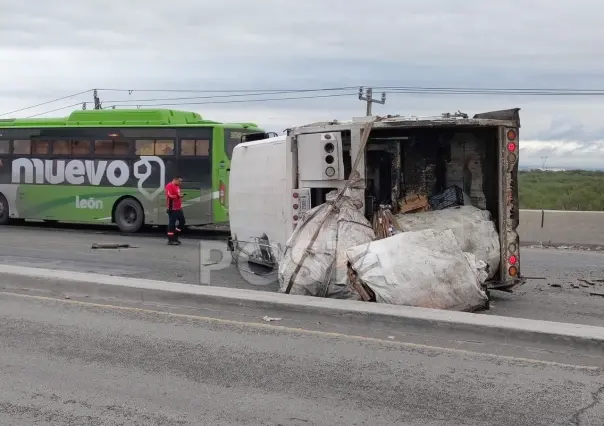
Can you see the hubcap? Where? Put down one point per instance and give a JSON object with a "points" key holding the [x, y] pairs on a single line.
{"points": [[130, 215]]}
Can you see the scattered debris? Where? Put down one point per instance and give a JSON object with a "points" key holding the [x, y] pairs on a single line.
{"points": [[586, 281], [556, 285], [597, 294], [414, 203], [67, 297], [110, 246], [536, 278], [450, 197], [270, 319], [565, 247], [384, 223], [365, 293]]}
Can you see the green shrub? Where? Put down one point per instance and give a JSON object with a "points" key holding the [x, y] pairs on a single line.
{"points": [[567, 190]]}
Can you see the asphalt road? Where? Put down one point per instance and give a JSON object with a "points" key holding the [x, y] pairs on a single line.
{"points": [[151, 258], [64, 362]]}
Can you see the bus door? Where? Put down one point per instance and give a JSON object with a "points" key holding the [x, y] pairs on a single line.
{"points": [[195, 166]]}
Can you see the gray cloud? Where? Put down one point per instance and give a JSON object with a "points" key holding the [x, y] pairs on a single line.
{"points": [[56, 48]]}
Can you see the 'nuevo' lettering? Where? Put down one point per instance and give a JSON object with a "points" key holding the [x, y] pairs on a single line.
{"points": [[74, 172]]}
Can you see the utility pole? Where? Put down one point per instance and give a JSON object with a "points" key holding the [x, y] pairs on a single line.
{"points": [[543, 163], [97, 101], [369, 98]]}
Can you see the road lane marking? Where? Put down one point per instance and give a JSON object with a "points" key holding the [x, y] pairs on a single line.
{"points": [[329, 334]]}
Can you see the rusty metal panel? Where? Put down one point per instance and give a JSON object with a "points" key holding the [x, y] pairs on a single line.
{"points": [[396, 174], [504, 115]]}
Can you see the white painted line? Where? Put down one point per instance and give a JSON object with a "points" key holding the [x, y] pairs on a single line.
{"points": [[288, 301]]}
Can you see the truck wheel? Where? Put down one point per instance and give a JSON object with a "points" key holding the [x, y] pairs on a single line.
{"points": [[129, 215]]}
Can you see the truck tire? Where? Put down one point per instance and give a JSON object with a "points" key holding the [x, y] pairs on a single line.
{"points": [[129, 215], [4, 212]]}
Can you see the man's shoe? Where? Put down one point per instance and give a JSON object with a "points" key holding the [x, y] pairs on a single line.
{"points": [[173, 243]]}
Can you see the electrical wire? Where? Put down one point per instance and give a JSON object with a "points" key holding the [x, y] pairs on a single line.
{"points": [[528, 90], [232, 90], [391, 90], [285, 92], [395, 89], [239, 101], [468, 91], [57, 109], [46, 103]]}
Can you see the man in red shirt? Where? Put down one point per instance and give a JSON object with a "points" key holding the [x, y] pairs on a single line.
{"points": [[174, 210]]}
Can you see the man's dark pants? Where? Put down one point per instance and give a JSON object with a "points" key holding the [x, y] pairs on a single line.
{"points": [[176, 222]]}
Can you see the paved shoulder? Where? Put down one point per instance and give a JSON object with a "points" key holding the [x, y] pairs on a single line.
{"points": [[68, 363]]}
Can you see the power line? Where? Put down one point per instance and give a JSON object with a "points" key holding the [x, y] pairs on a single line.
{"points": [[393, 90], [244, 100], [402, 89], [57, 109], [464, 91], [487, 89], [130, 91], [46, 103], [285, 92]]}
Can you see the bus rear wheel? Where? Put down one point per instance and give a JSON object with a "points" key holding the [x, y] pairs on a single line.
{"points": [[4, 213], [129, 215]]}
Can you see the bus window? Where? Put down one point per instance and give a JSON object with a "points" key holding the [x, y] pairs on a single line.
{"points": [[153, 147], [164, 147], [22, 147], [71, 147], [121, 148], [4, 147], [40, 147], [199, 148], [80, 147], [145, 147], [61, 147], [111, 147], [232, 138]]}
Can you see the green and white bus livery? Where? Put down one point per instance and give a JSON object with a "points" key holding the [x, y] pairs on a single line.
{"points": [[111, 166]]}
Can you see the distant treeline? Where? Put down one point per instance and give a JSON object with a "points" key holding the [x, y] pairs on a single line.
{"points": [[561, 190]]}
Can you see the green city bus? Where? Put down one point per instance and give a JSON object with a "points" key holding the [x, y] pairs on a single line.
{"points": [[111, 167]]}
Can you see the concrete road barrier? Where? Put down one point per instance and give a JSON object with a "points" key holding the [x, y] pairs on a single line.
{"points": [[417, 321], [557, 227]]}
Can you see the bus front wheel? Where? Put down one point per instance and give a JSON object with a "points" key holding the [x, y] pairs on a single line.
{"points": [[4, 213], [129, 215]]}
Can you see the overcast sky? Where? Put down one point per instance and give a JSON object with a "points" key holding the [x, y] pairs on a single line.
{"points": [[53, 49]]}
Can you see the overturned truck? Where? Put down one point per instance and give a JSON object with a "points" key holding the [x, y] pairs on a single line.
{"points": [[411, 167]]}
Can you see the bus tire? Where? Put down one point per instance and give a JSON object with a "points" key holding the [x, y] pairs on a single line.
{"points": [[4, 212], [129, 215]]}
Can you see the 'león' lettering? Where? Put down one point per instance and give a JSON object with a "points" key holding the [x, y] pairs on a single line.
{"points": [[88, 203]]}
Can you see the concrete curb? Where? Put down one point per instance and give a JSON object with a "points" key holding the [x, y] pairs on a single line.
{"points": [[510, 329]]}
